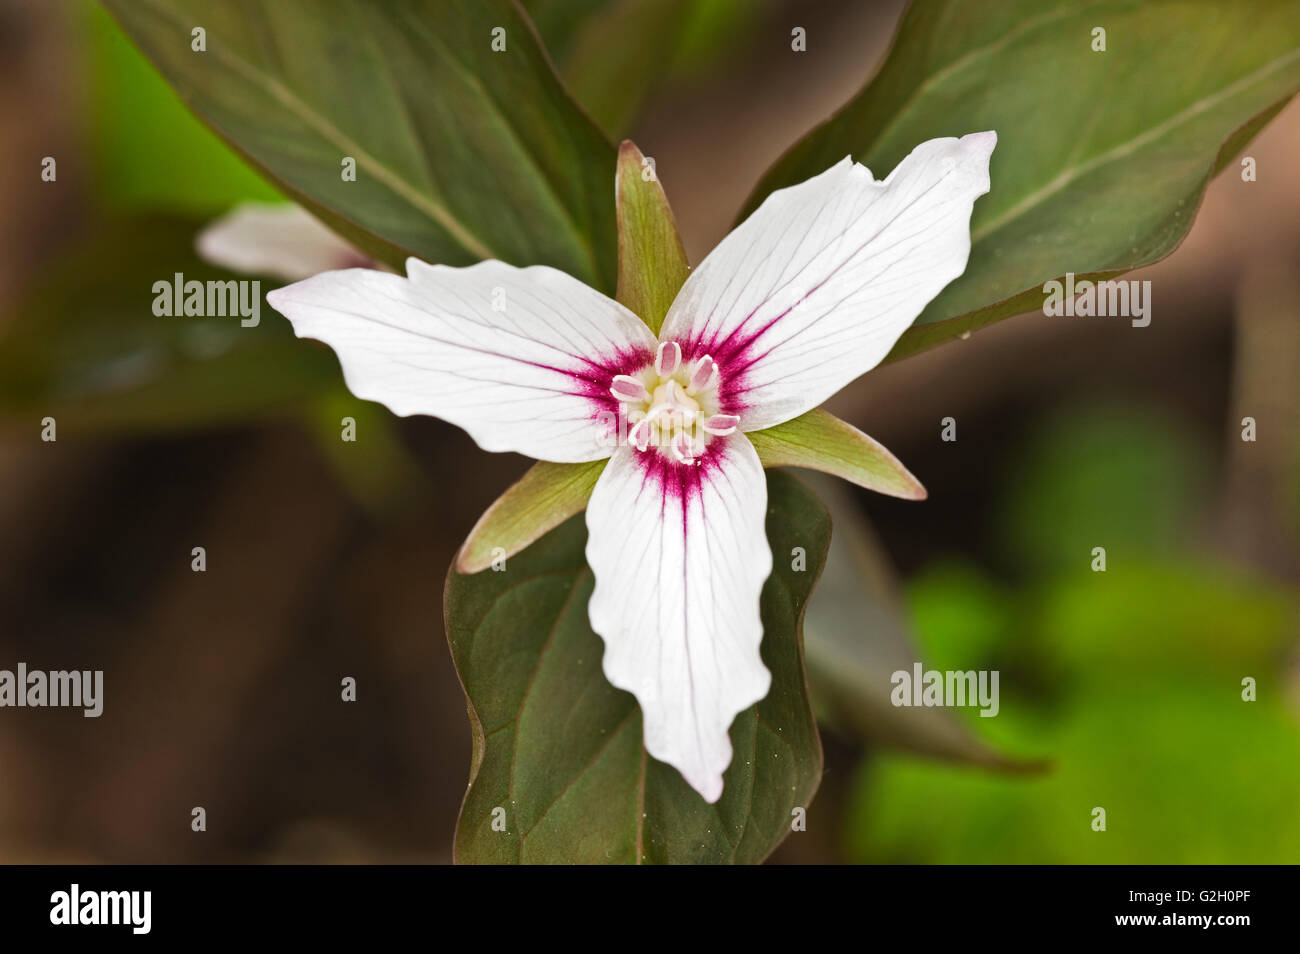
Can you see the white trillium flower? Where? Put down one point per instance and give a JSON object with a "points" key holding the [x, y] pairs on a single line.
{"points": [[277, 239], [811, 291]]}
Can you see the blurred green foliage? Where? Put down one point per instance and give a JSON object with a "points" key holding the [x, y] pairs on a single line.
{"points": [[86, 347], [1129, 680], [1105, 475], [150, 151]]}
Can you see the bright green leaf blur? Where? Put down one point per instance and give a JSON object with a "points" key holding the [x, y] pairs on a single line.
{"points": [[1130, 680], [142, 134]]}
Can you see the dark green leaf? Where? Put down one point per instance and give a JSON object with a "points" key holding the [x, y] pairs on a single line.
{"points": [[559, 749], [621, 54], [86, 347], [559, 22], [1102, 157], [614, 55], [462, 152]]}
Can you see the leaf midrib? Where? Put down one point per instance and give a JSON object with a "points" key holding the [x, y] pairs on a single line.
{"points": [[575, 586], [557, 202]]}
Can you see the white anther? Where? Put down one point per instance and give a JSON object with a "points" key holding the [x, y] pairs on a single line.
{"points": [[705, 375], [668, 358], [720, 425], [627, 388]]}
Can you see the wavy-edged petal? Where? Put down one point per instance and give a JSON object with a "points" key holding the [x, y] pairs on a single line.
{"points": [[680, 556], [275, 239], [814, 288], [521, 358]]}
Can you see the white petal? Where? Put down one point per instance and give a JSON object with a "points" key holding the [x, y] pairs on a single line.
{"points": [[521, 358], [814, 288], [680, 556], [277, 240]]}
